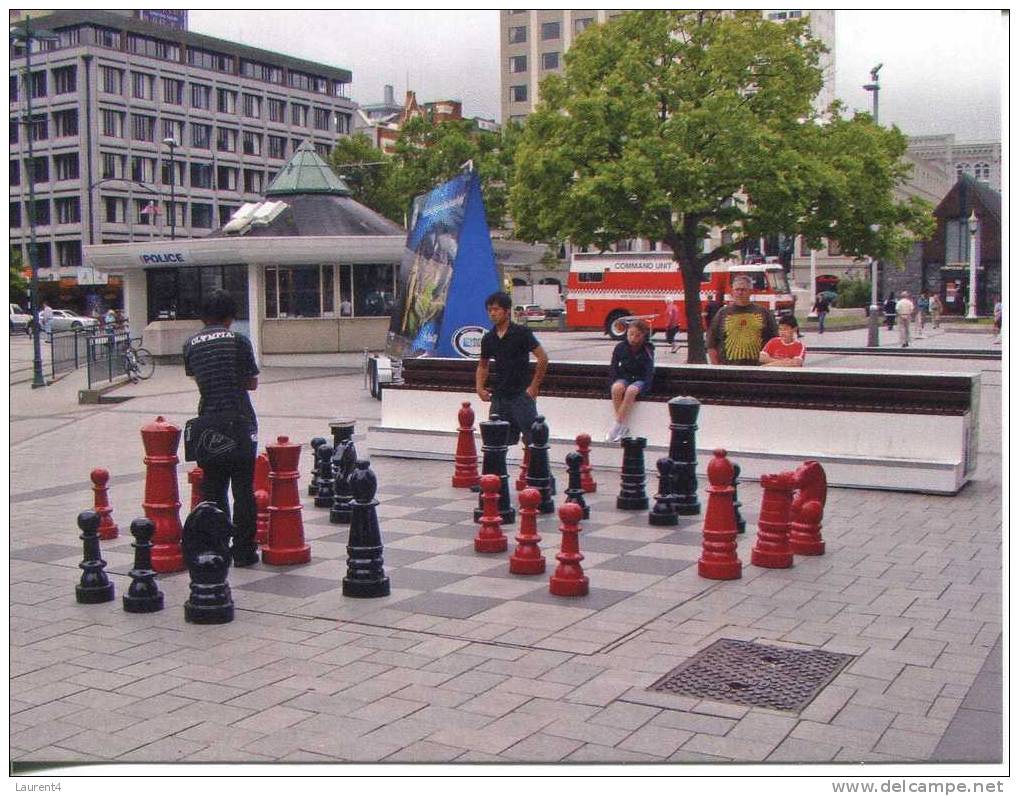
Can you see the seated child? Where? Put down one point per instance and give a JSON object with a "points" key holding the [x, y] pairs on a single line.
{"points": [[631, 370]]}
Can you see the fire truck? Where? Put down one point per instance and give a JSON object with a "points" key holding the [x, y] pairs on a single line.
{"points": [[605, 291]]}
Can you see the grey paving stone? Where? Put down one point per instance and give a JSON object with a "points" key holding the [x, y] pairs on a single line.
{"points": [[693, 722], [273, 719], [646, 565], [425, 752], [625, 716], [906, 744], [730, 747], [42, 735], [288, 585], [541, 748], [597, 753], [456, 606], [659, 742], [973, 736], [799, 750]]}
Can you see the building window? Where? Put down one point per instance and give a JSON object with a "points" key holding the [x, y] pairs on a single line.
{"points": [[40, 169], [343, 123], [68, 210], [373, 289], [322, 150], [66, 166], [39, 128], [14, 131], [173, 91], [172, 128], [550, 60], [154, 48], [143, 169], [142, 85], [113, 124], [69, 253], [174, 176], [298, 114], [277, 110], [107, 37], [304, 291], [956, 241], [143, 128], [582, 24], [253, 181], [982, 172], [179, 292], [252, 106], [208, 59], [517, 64], [201, 215], [201, 96], [65, 123], [15, 214], [175, 210], [38, 83], [226, 139], [834, 249], [201, 175], [113, 166], [226, 178], [14, 88], [15, 172], [201, 136], [321, 118], [277, 147], [264, 72], [518, 93], [251, 143], [226, 101], [111, 80], [43, 255], [65, 80], [961, 168], [777, 16], [549, 31], [518, 34], [225, 213], [113, 210], [69, 37], [42, 212]]}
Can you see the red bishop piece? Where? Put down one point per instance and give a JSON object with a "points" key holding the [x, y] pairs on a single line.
{"points": [[465, 474], [587, 482], [569, 579], [107, 527], [490, 538], [527, 558], [719, 560]]}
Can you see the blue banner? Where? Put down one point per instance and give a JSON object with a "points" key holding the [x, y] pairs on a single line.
{"points": [[447, 271]]}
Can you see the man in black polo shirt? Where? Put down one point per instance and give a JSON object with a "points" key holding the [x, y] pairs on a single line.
{"points": [[512, 394], [223, 364]]}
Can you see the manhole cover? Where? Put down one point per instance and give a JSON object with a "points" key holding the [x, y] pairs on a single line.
{"points": [[756, 675]]}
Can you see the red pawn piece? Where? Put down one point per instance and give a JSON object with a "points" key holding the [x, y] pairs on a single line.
{"points": [[569, 579], [107, 527], [162, 499], [772, 547], [527, 558], [261, 517], [805, 533], [466, 473], [525, 465], [261, 479], [285, 544], [718, 559], [195, 477], [584, 449], [490, 538]]}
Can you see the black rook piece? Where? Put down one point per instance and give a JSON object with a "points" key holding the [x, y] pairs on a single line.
{"points": [[344, 464], [494, 446], [316, 443], [632, 496], [206, 548], [324, 455], [94, 586], [143, 595], [664, 511], [741, 524], [365, 574], [575, 492], [683, 452], [539, 474]]}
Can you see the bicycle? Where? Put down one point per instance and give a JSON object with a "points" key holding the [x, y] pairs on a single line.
{"points": [[138, 363]]}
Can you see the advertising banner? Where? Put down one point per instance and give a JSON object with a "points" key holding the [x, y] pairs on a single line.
{"points": [[447, 270]]}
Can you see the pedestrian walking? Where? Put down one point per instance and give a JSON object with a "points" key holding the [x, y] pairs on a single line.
{"points": [[821, 307], [999, 315], [936, 309], [671, 322], [923, 307], [904, 310], [890, 311]]}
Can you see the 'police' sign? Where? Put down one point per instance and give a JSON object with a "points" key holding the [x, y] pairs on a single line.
{"points": [[159, 259]]}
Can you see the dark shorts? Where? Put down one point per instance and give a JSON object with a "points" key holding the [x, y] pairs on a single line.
{"points": [[519, 411], [644, 388], [670, 333]]}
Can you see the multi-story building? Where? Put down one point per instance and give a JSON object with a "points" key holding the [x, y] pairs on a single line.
{"points": [[532, 44], [127, 112], [981, 160]]}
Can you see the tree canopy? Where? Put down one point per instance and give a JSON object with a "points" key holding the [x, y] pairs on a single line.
{"points": [[670, 124]]}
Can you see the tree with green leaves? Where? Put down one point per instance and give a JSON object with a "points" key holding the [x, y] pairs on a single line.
{"points": [[19, 284], [669, 125], [368, 173]]}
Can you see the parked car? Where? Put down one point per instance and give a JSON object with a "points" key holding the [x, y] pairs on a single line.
{"points": [[528, 313], [65, 320], [20, 320]]}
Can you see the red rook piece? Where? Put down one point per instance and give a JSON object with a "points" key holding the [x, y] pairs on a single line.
{"points": [[285, 544], [107, 527], [466, 472], [569, 579], [772, 547], [162, 499], [527, 558], [587, 482], [718, 559], [490, 538]]}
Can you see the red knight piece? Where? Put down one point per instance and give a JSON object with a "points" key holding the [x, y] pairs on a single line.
{"points": [[811, 484], [261, 479], [285, 544], [527, 558], [805, 533], [107, 527], [162, 499], [490, 538], [587, 482], [195, 477], [261, 516], [569, 579], [719, 560], [772, 547], [466, 472]]}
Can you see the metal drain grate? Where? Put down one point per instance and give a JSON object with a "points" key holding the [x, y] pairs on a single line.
{"points": [[755, 675]]}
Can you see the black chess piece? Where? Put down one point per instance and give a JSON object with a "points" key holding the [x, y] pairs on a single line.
{"points": [[683, 413], [494, 447], [316, 442], [206, 547], [94, 586], [664, 510], [324, 498], [741, 524], [574, 491], [143, 595], [632, 496], [366, 576], [539, 473], [344, 465]]}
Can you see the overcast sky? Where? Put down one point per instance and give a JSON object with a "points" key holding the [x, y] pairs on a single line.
{"points": [[942, 69]]}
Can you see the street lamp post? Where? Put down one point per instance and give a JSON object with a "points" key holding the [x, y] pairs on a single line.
{"points": [[170, 142], [874, 87], [974, 225], [873, 321]]}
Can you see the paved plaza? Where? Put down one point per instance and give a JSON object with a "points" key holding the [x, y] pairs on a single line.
{"points": [[464, 662]]}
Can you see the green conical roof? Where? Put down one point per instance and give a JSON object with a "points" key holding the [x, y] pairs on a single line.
{"points": [[306, 172]]}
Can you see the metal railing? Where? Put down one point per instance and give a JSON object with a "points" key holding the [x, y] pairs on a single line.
{"points": [[68, 350], [105, 356]]}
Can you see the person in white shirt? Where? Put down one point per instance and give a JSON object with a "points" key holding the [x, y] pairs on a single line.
{"points": [[904, 309]]}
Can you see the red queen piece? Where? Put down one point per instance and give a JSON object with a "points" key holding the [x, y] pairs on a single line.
{"points": [[161, 503], [285, 544]]}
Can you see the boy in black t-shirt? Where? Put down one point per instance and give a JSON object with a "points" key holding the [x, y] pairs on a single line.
{"points": [[513, 396]]}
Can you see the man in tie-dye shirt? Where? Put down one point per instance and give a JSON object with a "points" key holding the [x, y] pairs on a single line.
{"points": [[739, 331]]}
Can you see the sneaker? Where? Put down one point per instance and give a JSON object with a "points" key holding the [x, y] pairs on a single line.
{"points": [[624, 431], [613, 433]]}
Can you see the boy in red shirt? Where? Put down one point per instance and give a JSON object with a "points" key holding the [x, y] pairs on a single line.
{"points": [[784, 351]]}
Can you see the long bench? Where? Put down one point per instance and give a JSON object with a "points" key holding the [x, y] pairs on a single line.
{"points": [[869, 429]]}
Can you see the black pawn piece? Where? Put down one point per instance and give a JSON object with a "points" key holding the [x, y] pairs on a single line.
{"points": [[143, 595], [494, 447], [664, 510], [324, 455], [206, 547], [345, 464], [365, 574], [575, 492], [316, 443], [741, 524], [632, 496], [94, 586], [683, 452], [539, 474]]}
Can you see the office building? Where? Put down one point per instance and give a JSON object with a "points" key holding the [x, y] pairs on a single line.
{"points": [[980, 160]]}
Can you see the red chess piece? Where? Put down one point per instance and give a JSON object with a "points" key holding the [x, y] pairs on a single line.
{"points": [[195, 477], [162, 500], [569, 579], [285, 543], [772, 547], [107, 527], [805, 533], [490, 538], [525, 465], [261, 479], [261, 516], [811, 484], [718, 559], [584, 449], [527, 558], [466, 472]]}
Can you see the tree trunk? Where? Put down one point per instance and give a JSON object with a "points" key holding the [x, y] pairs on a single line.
{"points": [[696, 352]]}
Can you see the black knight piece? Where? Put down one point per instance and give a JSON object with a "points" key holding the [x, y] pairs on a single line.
{"points": [[316, 442], [206, 547], [664, 510], [741, 524], [632, 496], [143, 595], [366, 576], [539, 473], [494, 447], [344, 465], [94, 586], [324, 455], [574, 491], [683, 413]]}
